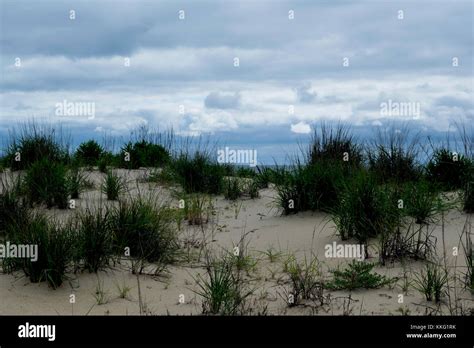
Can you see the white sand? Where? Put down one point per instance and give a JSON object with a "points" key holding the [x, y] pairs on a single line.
{"points": [[302, 234]]}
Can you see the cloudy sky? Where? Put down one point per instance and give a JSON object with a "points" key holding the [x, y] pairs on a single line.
{"points": [[174, 64]]}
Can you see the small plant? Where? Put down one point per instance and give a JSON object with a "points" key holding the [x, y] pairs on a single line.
{"points": [[308, 187], [468, 197], [75, 182], [272, 254], [334, 144], [232, 189], [143, 154], [95, 239], [55, 250], [253, 189], [146, 230], [431, 282], [263, 178], [45, 182], [422, 202], [198, 209], [14, 213], [102, 164], [469, 256], [357, 275], [448, 169], [89, 153], [100, 294], [221, 289], [364, 209], [113, 186], [34, 143], [198, 173], [123, 290], [305, 278], [393, 156]]}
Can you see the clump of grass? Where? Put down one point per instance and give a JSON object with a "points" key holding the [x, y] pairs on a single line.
{"points": [[33, 143], [363, 210], [393, 156], [334, 144], [305, 278], [253, 189], [263, 177], [197, 209], [222, 289], [45, 182], [198, 173], [357, 275], [100, 294], [143, 153], [55, 249], [240, 256], [244, 172], [308, 187], [431, 282], [468, 197], [113, 186], [123, 290], [448, 169], [75, 181], [272, 254], [88, 153], [14, 211], [95, 239], [146, 229], [102, 164], [422, 201], [469, 256], [232, 189]]}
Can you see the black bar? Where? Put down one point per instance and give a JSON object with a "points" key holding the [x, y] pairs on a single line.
{"points": [[288, 330]]}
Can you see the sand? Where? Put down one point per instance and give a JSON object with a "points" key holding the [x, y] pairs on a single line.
{"points": [[260, 220]]}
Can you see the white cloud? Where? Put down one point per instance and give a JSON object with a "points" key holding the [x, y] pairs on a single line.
{"points": [[301, 128]]}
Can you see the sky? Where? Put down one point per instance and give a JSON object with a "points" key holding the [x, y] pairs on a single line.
{"points": [[254, 75]]}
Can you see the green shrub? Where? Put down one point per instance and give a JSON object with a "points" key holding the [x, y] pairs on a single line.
{"points": [[431, 282], [95, 239], [232, 189], [468, 197], [55, 250], [337, 145], [35, 143], [448, 169], [14, 213], [305, 278], [45, 182], [143, 154], [221, 289], [197, 209], [357, 275], [147, 231], [75, 180], [113, 186], [393, 157], [244, 172], [308, 187], [198, 173], [421, 200], [364, 210], [88, 153]]}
